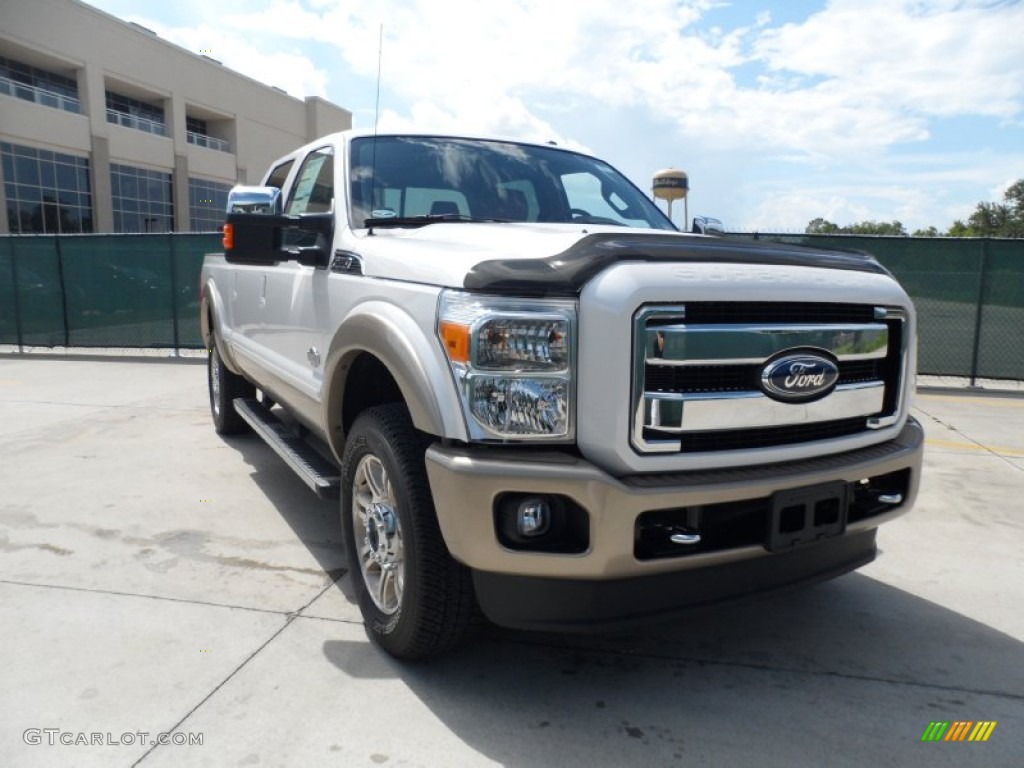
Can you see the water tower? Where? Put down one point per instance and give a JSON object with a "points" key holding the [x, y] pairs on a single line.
{"points": [[670, 184]]}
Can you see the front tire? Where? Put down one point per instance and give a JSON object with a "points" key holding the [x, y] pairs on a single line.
{"points": [[224, 387], [416, 600]]}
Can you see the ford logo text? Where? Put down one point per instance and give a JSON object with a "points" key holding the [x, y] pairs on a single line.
{"points": [[799, 377]]}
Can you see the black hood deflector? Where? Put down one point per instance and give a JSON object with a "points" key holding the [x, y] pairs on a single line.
{"points": [[565, 274]]}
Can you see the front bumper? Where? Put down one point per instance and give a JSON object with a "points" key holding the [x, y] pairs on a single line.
{"points": [[466, 481], [575, 605]]}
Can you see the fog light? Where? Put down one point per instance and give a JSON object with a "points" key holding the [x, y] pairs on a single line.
{"points": [[533, 518]]}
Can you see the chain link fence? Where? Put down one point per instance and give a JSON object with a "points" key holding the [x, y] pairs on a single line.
{"points": [[969, 294], [94, 291], [139, 291]]}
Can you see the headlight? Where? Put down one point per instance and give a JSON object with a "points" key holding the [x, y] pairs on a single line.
{"points": [[513, 361]]}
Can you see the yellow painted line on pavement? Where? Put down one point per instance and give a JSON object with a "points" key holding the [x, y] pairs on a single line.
{"points": [[995, 402], [1012, 452]]}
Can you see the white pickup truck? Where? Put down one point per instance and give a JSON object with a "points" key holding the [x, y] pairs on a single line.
{"points": [[537, 400]]}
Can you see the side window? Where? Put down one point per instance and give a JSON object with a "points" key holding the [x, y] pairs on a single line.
{"points": [[279, 175], [313, 190]]}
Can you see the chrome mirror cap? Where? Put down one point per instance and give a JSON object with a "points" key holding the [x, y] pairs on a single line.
{"points": [[707, 225], [264, 200]]}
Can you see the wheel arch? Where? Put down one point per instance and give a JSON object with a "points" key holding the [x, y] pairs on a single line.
{"points": [[211, 324], [378, 355]]}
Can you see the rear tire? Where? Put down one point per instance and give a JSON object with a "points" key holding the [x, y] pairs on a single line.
{"points": [[416, 600], [224, 387]]}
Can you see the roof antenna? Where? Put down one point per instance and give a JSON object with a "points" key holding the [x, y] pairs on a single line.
{"points": [[380, 51], [376, 117]]}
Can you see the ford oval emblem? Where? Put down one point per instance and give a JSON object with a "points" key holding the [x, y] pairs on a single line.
{"points": [[799, 377]]}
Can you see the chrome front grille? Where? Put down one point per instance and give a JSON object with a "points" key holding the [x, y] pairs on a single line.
{"points": [[698, 370]]}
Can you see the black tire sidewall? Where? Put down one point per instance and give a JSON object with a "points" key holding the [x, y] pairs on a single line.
{"points": [[214, 368], [367, 439], [226, 420], [403, 461]]}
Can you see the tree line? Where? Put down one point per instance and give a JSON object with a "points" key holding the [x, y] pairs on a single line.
{"points": [[1005, 219]]}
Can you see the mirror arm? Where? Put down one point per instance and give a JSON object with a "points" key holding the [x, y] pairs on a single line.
{"points": [[307, 255]]}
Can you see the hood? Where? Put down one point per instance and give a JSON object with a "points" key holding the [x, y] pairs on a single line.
{"points": [[559, 259], [445, 253]]}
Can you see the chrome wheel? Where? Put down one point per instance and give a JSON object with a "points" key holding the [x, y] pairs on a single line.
{"points": [[226, 387], [378, 534], [416, 600]]}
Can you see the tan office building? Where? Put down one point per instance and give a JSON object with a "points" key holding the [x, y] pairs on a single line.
{"points": [[105, 127]]}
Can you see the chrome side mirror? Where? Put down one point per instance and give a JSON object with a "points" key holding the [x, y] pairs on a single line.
{"points": [[260, 200], [707, 225]]}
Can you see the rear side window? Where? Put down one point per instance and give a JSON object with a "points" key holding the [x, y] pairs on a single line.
{"points": [[279, 175], [313, 190]]}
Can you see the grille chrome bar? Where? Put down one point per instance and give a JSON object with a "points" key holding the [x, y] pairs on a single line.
{"points": [[679, 413], [721, 344]]}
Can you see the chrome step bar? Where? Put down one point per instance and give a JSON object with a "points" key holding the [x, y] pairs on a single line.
{"points": [[312, 468]]}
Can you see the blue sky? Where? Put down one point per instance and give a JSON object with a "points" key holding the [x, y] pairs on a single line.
{"points": [[779, 111]]}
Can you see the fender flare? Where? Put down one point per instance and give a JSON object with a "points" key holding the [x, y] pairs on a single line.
{"points": [[211, 324], [413, 358]]}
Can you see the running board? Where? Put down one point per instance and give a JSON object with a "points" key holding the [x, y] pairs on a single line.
{"points": [[314, 470]]}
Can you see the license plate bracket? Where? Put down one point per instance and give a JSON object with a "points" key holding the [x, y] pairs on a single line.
{"points": [[803, 516]]}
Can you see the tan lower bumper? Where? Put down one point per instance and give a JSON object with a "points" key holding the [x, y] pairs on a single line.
{"points": [[466, 481]]}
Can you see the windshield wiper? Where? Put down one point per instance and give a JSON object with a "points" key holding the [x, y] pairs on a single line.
{"points": [[429, 218]]}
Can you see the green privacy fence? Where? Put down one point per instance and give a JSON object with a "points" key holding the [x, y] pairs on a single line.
{"points": [[141, 291], [969, 295], [102, 290]]}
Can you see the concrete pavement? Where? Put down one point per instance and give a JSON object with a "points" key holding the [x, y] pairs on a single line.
{"points": [[157, 578]]}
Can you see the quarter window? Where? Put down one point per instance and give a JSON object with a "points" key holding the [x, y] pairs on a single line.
{"points": [[279, 175]]}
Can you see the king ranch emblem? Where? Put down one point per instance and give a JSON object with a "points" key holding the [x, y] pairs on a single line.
{"points": [[799, 377]]}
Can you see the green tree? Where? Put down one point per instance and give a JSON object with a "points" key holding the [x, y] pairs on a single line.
{"points": [[959, 229], [1005, 219], [1014, 197], [877, 228], [820, 226]]}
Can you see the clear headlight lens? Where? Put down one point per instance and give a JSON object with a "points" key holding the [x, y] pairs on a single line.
{"points": [[512, 362], [520, 406], [519, 343]]}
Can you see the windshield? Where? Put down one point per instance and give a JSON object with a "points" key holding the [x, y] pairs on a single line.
{"points": [[403, 177]]}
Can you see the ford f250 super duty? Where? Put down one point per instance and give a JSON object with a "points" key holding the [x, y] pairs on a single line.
{"points": [[539, 401]]}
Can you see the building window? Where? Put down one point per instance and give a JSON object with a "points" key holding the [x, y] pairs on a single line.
{"points": [[197, 132], [132, 113], [196, 125], [143, 200], [207, 202], [38, 85], [47, 192]]}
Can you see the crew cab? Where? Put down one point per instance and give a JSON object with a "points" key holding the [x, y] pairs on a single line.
{"points": [[537, 400]]}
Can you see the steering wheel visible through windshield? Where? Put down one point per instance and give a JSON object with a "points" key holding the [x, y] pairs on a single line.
{"points": [[414, 179]]}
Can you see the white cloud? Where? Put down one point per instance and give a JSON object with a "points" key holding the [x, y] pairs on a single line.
{"points": [[929, 58], [832, 100], [858, 76], [285, 67], [788, 212]]}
